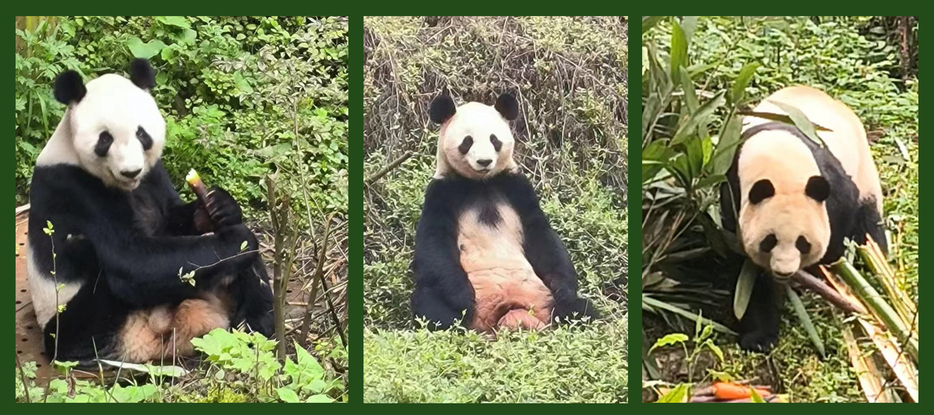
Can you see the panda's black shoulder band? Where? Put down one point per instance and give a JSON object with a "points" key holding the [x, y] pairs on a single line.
{"points": [[142, 74], [773, 126], [69, 87]]}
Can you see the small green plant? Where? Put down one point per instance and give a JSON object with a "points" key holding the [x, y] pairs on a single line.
{"points": [[703, 340], [241, 367]]}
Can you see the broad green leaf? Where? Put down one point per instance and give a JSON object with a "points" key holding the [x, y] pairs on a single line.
{"points": [[801, 121], [738, 91], [676, 395], [177, 21], [679, 50], [144, 50], [669, 339], [320, 398], [805, 319], [744, 285], [287, 395], [242, 84]]}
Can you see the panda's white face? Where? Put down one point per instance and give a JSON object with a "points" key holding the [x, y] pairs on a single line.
{"points": [[779, 236], [117, 130], [783, 220], [477, 142]]}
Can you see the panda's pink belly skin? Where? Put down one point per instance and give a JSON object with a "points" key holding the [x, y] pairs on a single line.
{"points": [[509, 299]]}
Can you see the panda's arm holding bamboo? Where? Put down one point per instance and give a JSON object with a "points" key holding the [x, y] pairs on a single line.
{"points": [[143, 270], [443, 292], [546, 253]]}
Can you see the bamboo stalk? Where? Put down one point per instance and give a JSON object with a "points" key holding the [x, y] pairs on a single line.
{"points": [[806, 280], [882, 310]]}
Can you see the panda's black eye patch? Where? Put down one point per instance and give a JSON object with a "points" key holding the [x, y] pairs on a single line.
{"points": [[803, 245], [144, 138], [103, 144], [768, 243], [465, 145], [760, 191], [497, 145]]}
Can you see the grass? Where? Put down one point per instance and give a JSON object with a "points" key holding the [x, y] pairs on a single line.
{"points": [[852, 60], [564, 365], [569, 75]]}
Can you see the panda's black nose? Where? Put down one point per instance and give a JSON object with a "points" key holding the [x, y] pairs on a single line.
{"points": [[484, 162], [130, 174]]}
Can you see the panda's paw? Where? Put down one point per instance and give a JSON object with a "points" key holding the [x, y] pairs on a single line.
{"points": [[223, 209], [758, 341]]}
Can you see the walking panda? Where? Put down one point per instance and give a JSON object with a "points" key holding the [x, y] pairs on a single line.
{"points": [[796, 201], [106, 280], [485, 253]]}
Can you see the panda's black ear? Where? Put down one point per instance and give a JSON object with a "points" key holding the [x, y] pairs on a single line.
{"points": [[442, 108], [142, 74], [507, 105], [818, 188], [760, 191], [69, 87]]}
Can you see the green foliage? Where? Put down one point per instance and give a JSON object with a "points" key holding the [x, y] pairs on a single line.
{"points": [[242, 96], [575, 364], [241, 367], [746, 59]]}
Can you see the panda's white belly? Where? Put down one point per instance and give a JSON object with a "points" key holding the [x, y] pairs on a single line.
{"points": [[503, 279]]}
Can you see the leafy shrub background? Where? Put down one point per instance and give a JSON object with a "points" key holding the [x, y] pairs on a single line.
{"points": [[235, 91], [243, 98], [862, 62], [569, 75]]}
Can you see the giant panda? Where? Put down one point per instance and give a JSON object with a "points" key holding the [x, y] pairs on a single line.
{"points": [[106, 279], [485, 253], [796, 201]]}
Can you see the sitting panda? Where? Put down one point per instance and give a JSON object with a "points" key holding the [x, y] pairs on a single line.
{"points": [[106, 281], [796, 200], [485, 253]]}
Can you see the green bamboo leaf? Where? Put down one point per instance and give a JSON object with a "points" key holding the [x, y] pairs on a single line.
{"points": [[687, 127], [771, 116], [738, 91], [744, 285], [690, 97], [727, 144], [679, 50], [805, 319], [801, 121]]}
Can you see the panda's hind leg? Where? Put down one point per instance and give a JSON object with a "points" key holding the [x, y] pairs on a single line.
{"points": [[194, 318]]}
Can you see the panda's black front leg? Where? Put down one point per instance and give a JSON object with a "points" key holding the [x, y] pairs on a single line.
{"points": [[443, 293], [759, 325], [551, 262]]}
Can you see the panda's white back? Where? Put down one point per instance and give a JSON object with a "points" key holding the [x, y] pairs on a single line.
{"points": [[846, 138]]}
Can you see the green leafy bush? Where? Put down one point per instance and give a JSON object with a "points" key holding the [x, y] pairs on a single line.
{"points": [[242, 96], [241, 367]]}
